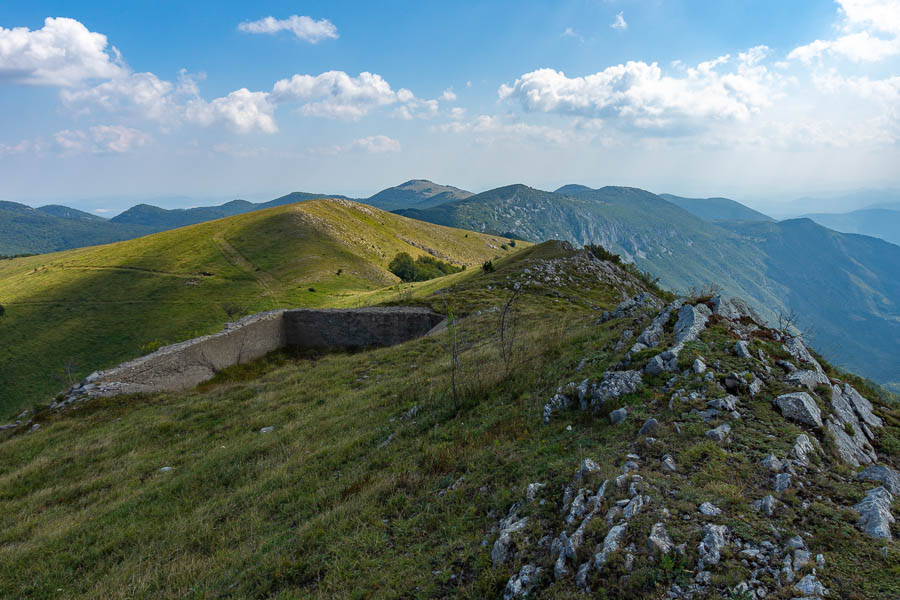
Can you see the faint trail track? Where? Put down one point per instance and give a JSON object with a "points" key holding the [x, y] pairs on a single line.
{"points": [[234, 257]]}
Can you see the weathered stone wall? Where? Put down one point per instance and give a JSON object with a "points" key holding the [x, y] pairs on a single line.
{"points": [[184, 365]]}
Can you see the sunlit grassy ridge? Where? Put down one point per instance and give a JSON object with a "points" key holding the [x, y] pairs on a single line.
{"points": [[70, 313], [354, 494]]}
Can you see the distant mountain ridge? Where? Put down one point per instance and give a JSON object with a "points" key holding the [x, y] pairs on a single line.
{"points": [[27, 230], [847, 285], [882, 223], [416, 193], [163, 219], [717, 209]]}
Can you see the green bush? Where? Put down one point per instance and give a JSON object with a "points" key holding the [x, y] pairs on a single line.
{"points": [[488, 266], [601, 253], [420, 269], [2, 310]]}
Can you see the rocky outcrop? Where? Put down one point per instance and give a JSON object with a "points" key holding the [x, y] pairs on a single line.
{"points": [[875, 516], [885, 475], [800, 407]]}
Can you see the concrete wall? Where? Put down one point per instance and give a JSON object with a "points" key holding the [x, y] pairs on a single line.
{"points": [[184, 365]]}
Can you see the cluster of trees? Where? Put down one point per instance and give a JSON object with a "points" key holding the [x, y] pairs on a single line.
{"points": [[422, 268]]}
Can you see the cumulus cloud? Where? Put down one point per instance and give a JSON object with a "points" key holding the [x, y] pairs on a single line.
{"points": [[870, 31], [449, 95], [571, 33], [101, 139], [638, 95], [334, 94], [619, 23], [304, 28], [62, 53], [140, 94], [242, 110]]}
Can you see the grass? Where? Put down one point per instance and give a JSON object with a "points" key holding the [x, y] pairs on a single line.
{"points": [[73, 312], [354, 495]]}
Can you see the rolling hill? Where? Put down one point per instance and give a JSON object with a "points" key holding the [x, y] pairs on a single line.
{"points": [[387, 473], [882, 223], [758, 261], [70, 313], [416, 193], [161, 219], [716, 209]]}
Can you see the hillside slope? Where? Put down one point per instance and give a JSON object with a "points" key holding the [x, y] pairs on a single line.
{"points": [[69, 313], [26, 230], [687, 252], [387, 473], [877, 222]]}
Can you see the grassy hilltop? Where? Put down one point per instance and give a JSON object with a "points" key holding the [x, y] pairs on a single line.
{"points": [[388, 471], [72, 312]]}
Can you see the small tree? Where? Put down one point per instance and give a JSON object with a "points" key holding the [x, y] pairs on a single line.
{"points": [[2, 310]]}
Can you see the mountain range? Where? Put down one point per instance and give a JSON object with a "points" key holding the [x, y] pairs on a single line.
{"points": [[851, 304], [882, 223], [847, 285]]}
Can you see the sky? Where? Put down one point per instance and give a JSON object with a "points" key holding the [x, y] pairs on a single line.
{"points": [[105, 103]]}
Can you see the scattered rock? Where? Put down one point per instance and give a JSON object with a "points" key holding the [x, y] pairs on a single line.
{"points": [[742, 349], [521, 585], [726, 404], [710, 548], [886, 475], [668, 464], [587, 467], [611, 544], [710, 510], [618, 416], [810, 587], [649, 427], [772, 463], [268, 429], [699, 367], [659, 541], [165, 469], [874, 510], [508, 526], [799, 406], [720, 433], [782, 482], [766, 505], [802, 449], [532, 490]]}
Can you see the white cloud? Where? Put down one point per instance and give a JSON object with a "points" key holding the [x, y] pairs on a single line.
{"points": [[101, 139], [102, 210], [448, 95], [870, 33], [304, 28], [489, 129], [62, 53], [243, 110], [141, 94], [376, 144], [619, 23], [638, 95], [571, 33], [334, 94]]}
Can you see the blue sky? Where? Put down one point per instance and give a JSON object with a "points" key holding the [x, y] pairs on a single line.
{"points": [[102, 103]]}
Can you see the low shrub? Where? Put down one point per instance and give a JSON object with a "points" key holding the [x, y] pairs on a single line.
{"points": [[421, 269]]}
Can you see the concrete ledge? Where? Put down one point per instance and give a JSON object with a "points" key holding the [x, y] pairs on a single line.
{"points": [[186, 364]]}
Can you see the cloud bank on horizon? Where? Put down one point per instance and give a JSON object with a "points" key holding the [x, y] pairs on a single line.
{"points": [[835, 93]]}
